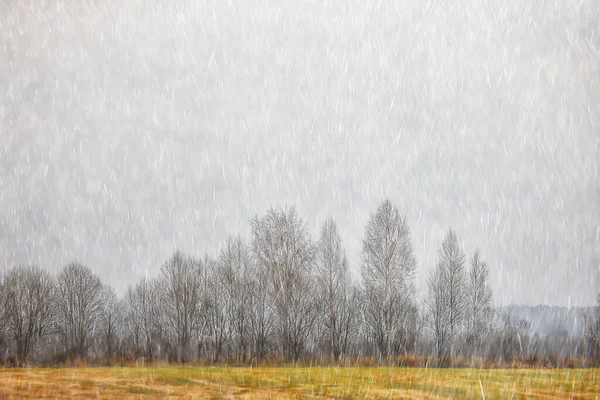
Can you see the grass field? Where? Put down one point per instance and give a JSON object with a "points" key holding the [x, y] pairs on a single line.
{"points": [[301, 382]]}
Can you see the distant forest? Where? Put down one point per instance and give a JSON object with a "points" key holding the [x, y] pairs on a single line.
{"points": [[284, 297]]}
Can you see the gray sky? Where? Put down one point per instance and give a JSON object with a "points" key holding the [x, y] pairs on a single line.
{"points": [[131, 128]]}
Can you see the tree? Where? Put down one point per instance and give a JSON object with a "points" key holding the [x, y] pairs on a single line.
{"points": [[447, 295], [262, 314], [523, 331], [28, 305], [388, 268], [514, 336], [281, 243], [79, 304], [591, 331], [217, 305], [111, 321], [478, 301], [336, 289], [236, 262], [348, 319], [452, 261], [3, 328], [142, 311], [181, 301], [437, 305]]}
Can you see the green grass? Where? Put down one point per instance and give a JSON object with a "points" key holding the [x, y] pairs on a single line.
{"points": [[300, 382]]}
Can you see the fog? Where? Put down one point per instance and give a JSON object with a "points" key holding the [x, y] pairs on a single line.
{"points": [[129, 129]]}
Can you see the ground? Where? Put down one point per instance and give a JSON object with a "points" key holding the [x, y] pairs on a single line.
{"points": [[301, 382]]}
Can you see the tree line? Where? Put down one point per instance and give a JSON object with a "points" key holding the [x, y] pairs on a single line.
{"points": [[280, 296]]}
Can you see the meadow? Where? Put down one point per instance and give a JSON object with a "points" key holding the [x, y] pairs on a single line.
{"points": [[299, 382]]}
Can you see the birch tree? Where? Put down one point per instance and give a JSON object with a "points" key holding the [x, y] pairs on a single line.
{"points": [[478, 301], [281, 243], [336, 288], [452, 260], [437, 306], [447, 295], [388, 269]]}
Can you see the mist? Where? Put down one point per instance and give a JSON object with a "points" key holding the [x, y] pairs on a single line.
{"points": [[130, 129]]}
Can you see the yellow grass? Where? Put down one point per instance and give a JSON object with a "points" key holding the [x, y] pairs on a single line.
{"points": [[301, 382]]}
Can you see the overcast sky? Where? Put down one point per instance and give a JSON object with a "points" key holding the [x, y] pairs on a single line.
{"points": [[129, 129]]}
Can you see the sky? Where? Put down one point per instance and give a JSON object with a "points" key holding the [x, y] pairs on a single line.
{"points": [[130, 129]]}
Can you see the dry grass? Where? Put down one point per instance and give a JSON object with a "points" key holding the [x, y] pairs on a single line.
{"points": [[302, 382]]}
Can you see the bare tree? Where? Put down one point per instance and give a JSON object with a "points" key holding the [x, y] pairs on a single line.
{"points": [[111, 321], [513, 336], [437, 306], [348, 318], [523, 331], [235, 260], [3, 322], [388, 268], [335, 282], [79, 304], [133, 323], [141, 322], [281, 243], [478, 301], [217, 305], [452, 261], [412, 326], [591, 331], [181, 301], [261, 311], [28, 307], [447, 295]]}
